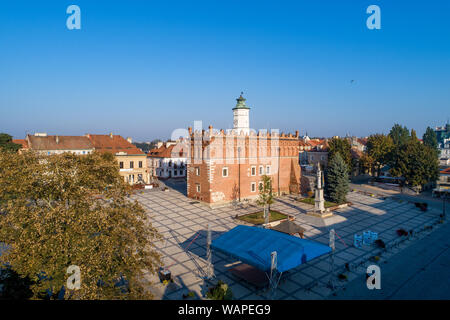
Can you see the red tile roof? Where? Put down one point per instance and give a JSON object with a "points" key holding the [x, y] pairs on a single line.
{"points": [[356, 154], [59, 142], [166, 152], [362, 141], [316, 142], [22, 142], [113, 144]]}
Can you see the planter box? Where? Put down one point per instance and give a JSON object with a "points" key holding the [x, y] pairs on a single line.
{"points": [[270, 224]]}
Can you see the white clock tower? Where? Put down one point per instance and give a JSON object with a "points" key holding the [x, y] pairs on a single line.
{"points": [[241, 116]]}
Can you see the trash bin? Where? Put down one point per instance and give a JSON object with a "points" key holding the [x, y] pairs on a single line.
{"points": [[164, 274]]}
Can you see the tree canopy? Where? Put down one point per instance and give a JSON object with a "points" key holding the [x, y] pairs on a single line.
{"points": [[336, 180], [416, 162], [64, 210], [342, 147], [265, 198], [408, 158], [430, 139], [400, 135], [6, 143], [379, 150]]}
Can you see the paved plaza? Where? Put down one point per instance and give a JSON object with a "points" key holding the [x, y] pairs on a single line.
{"points": [[183, 224]]}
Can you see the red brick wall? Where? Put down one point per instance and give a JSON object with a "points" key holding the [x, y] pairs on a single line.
{"points": [[216, 151]]}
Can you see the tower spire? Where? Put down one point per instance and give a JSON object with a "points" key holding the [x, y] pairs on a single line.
{"points": [[241, 116]]}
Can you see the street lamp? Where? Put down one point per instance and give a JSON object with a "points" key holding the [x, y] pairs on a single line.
{"points": [[443, 204]]}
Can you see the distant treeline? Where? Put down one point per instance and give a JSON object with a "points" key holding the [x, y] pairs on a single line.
{"points": [[147, 146]]}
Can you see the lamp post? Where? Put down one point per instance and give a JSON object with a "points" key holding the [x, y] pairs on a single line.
{"points": [[443, 205]]}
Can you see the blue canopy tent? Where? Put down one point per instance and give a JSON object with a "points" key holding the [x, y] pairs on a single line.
{"points": [[256, 246]]}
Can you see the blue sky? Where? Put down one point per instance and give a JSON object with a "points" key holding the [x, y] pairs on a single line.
{"points": [[145, 68]]}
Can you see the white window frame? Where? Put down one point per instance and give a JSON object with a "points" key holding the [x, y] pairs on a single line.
{"points": [[261, 170], [267, 169], [197, 171], [253, 186], [251, 170], [197, 187], [225, 169]]}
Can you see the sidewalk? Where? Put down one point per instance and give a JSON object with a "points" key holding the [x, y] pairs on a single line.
{"points": [[391, 193], [421, 271]]}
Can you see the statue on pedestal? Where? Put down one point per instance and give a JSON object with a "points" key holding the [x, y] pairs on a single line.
{"points": [[319, 203]]}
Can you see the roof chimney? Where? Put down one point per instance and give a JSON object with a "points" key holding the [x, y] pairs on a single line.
{"points": [[111, 135], [57, 139]]}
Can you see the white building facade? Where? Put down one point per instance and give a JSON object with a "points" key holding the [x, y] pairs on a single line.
{"points": [[167, 161]]}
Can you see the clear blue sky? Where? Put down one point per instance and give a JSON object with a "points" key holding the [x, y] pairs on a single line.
{"points": [[144, 68]]}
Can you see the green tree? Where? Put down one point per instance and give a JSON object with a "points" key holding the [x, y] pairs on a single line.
{"points": [[366, 163], [342, 147], [64, 210], [379, 150], [400, 135], [6, 143], [265, 196], [336, 180], [430, 139], [417, 163]]}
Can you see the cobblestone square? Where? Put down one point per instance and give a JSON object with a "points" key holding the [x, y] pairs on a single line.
{"points": [[184, 224]]}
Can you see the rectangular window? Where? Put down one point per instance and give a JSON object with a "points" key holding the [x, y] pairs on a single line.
{"points": [[131, 164], [197, 186], [253, 186], [267, 169], [253, 171], [261, 170], [140, 164], [121, 164], [225, 172], [260, 185], [197, 171]]}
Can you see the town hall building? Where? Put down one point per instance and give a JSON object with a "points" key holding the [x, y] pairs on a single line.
{"points": [[228, 166]]}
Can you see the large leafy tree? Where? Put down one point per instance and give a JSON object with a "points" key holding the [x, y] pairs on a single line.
{"points": [[430, 139], [379, 151], [6, 143], [416, 162], [336, 180], [265, 198], [400, 135], [366, 163], [342, 147], [64, 210]]}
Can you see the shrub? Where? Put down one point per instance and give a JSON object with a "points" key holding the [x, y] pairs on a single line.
{"points": [[220, 291]]}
